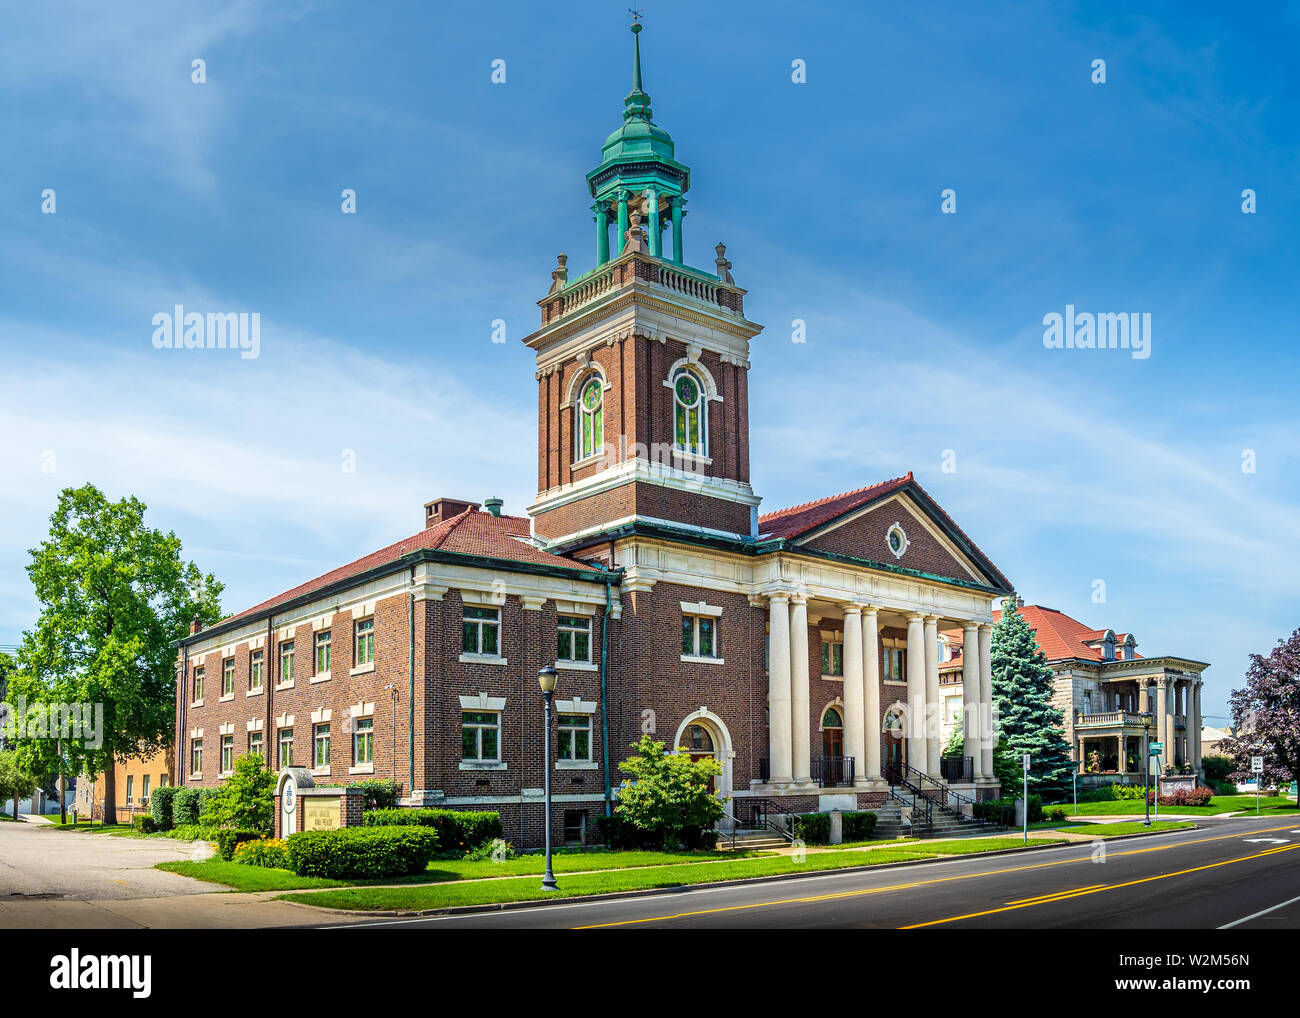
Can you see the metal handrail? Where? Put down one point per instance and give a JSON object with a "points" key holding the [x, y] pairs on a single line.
{"points": [[762, 809]]}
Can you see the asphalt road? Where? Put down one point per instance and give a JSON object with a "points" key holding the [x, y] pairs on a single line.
{"points": [[1242, 873]]}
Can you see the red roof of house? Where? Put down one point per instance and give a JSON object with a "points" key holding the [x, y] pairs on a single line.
{"points": [[1061, 636], [471, 533]]}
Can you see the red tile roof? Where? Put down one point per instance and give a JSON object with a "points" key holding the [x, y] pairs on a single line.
{"points": [[471, 533], [1061, 636], [800, 519]]}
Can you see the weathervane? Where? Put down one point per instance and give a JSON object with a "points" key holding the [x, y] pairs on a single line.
{"points": [[636, 14]]}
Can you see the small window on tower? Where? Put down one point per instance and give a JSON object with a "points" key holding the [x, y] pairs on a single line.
{"points": [[589, 426], [690, 427]]}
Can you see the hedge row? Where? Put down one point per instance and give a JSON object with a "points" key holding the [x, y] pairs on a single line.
{"points": [[346, 852], [187, 805], [457, 830], [815, 828]]}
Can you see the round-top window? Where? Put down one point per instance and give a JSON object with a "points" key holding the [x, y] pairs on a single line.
{"points": [[897, 540]]}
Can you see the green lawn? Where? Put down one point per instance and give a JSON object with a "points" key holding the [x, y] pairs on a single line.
{"points": [[476, 892], [257, 878], [1219, 804], [1131, 827]]}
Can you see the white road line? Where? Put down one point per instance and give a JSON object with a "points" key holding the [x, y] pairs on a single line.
{"points": [[1246, 919]]}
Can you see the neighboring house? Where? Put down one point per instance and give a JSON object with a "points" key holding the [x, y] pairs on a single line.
{"points": [[135, 778], [1102, 685], [1212, 739], [786, 645]]}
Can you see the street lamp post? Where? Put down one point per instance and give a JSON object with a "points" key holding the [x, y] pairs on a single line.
{"points": [[546, 678], [1146, 765]]}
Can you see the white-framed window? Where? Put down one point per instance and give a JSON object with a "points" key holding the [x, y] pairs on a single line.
{"points": [[255, 661], [363, 741], [196, 756], [286, 663], [144, 788], [198, 683], [589, 419], [130, 788], [480, 735], [573, 638], [480, 631], [255, 743], [700, 636], [227, 754], [365, 642], [832, 657], [323, 650], [228, 677], [575, 738], [286, 747], [320, 736], [690, 413]]}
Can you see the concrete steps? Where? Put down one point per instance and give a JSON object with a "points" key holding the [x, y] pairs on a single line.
{"points": [[754, 841]]}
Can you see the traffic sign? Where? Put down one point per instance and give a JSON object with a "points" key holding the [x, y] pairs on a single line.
{"points": [[1026, 761], [1257, 764], [1157, 747]]}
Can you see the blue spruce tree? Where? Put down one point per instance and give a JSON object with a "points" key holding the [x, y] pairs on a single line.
{"points": [[1022, 696]]}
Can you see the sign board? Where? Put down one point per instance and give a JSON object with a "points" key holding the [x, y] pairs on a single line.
{"points": [[1026, 761], [320, 813], [1157, 747], [1257, 764]]}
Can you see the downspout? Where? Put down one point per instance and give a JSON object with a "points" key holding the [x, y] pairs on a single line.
{"points": [[410, 699]]}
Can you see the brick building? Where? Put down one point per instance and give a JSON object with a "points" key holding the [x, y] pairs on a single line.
{"points": [[798, 647]]}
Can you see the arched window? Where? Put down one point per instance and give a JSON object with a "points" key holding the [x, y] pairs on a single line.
{"points": [[589, 419], [690, 415]]}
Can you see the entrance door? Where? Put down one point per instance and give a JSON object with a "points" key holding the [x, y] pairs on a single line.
{"points": [[894, 743], [699, 744]]}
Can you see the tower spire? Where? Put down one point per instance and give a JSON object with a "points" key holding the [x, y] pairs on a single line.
{"points": [[637, 103]]}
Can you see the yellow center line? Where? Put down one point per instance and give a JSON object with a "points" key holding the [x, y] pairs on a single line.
{"points": [[1044, 897], [921, 883], [1097, 890]]}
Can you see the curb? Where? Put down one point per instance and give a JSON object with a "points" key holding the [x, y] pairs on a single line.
{"points": [[507, 906]]}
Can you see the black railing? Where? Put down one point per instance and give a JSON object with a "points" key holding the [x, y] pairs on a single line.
{"points": [[833, 771], [766, 815], [957, 768], [938, 793]]}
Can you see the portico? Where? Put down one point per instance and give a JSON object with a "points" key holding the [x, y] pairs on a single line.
{"points": [[1108, 732]]}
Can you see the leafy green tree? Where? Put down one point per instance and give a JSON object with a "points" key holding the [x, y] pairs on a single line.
{"points": [[115, 597], [1022, 696], [6, 669], [1266, 715], [16, 779], [666, 795], [246, 802], [956, 739]]}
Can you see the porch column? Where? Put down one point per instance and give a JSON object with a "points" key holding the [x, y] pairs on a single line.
{"points": [[1122, 752], [971, 707], [780, 754], [933, 709], [986, 697], [854, 691], [918, 753], [870, 769], [1164, 720], [799, 692], [1144, 696]]}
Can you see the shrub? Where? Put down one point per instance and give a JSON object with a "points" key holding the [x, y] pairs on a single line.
{"points": [[378, 793], [495, 850], [665, 794], [268, 852], [1055, 814], [246, 802], [812, 828], [616, 832], [160, 806], [859, 825], [1003, 811], [361, 851], [187, 805], [696, 838], [144, 823], [193, 832], [228, 839], [1199, 796], [458, 830]]}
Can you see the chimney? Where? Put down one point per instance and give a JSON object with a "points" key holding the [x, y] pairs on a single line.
{"points": [[493, 505], [195, 625], [442, 509]]}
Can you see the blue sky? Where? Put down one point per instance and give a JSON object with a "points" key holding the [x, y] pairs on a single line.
{"points": [[924, 330]]}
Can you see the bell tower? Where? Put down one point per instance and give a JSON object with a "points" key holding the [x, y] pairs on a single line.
{"points": [[642, 361]]}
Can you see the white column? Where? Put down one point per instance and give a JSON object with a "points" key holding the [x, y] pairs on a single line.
{"points": [[854, 691], [1194, 726], [971, 711], [933, 709], [918, 752], [780, 750], [799, 691], [1164, 721], [990, 737], [870, 768]]}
